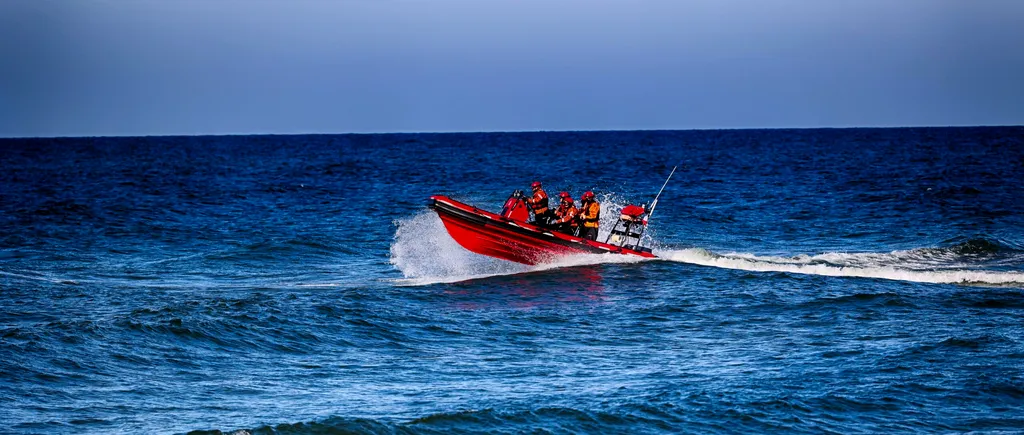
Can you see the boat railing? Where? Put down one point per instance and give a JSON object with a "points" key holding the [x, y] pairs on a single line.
{"points": [[628, 230]]}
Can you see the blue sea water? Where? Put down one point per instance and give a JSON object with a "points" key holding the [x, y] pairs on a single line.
{"points": [[809, 281]]}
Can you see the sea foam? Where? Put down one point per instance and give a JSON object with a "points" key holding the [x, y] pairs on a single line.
{"points": [[898, 265]]}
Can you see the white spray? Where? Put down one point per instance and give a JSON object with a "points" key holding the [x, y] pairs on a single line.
{"points": [[898, 265]]}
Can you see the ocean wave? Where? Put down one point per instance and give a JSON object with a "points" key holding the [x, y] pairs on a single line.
{"points": [[839, 411], [886, 299], [489, 421], [993, 299], [974, 343]]}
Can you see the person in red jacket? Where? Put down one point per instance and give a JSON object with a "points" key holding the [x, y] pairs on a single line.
{"points": [[589, 216], [538, 202], [565, 215]]}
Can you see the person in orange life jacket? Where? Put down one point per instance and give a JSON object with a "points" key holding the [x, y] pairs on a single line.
{"points": [[565, 215], [538, 202], [589, 216]]}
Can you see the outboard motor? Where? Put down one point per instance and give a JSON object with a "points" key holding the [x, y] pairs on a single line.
{"points": [[629, 229], [515, 208]]}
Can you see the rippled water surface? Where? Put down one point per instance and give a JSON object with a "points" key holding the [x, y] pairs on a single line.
{"points": [[861, 280]]}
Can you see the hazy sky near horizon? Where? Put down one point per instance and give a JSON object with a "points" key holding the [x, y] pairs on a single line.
{"points": [[138, 67]]}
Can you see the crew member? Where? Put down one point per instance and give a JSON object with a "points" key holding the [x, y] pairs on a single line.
{"points": [[538, 202], [589, 216], [565, 215]]}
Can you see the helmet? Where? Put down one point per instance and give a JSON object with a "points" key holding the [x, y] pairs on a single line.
{"points": [[588, 195], [564, 195], [535, 185]]}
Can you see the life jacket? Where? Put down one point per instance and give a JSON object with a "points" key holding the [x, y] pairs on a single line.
{"points": [[590, 214], [539, 202], [566, 214]]}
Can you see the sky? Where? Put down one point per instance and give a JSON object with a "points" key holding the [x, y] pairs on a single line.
{"points": [[161, 67]]}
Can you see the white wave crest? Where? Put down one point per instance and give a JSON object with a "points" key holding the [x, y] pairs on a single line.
{"points": [[893, 266]]}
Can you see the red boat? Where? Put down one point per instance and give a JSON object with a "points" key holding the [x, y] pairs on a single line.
{"points": [[510, 237]]}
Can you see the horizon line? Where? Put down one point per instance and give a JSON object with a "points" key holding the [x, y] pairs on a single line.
{"points": [[506, 131]]}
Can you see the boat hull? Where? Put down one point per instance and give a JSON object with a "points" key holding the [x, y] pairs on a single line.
{"points": [[490, 234]]}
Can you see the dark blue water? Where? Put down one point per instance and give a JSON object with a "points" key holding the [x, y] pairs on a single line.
{"points": [[852, 281]]}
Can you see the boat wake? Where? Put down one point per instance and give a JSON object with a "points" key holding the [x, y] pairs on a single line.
{"points": [[954, 265], [425, 254]]}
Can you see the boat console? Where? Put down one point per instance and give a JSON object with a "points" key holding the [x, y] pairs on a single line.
{"points": [[515, 207]]}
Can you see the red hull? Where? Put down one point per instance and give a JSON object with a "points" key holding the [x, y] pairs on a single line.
{"points": [[490, 234]]}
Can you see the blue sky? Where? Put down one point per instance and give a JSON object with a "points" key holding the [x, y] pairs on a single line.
{"points": [[136, 67]]}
